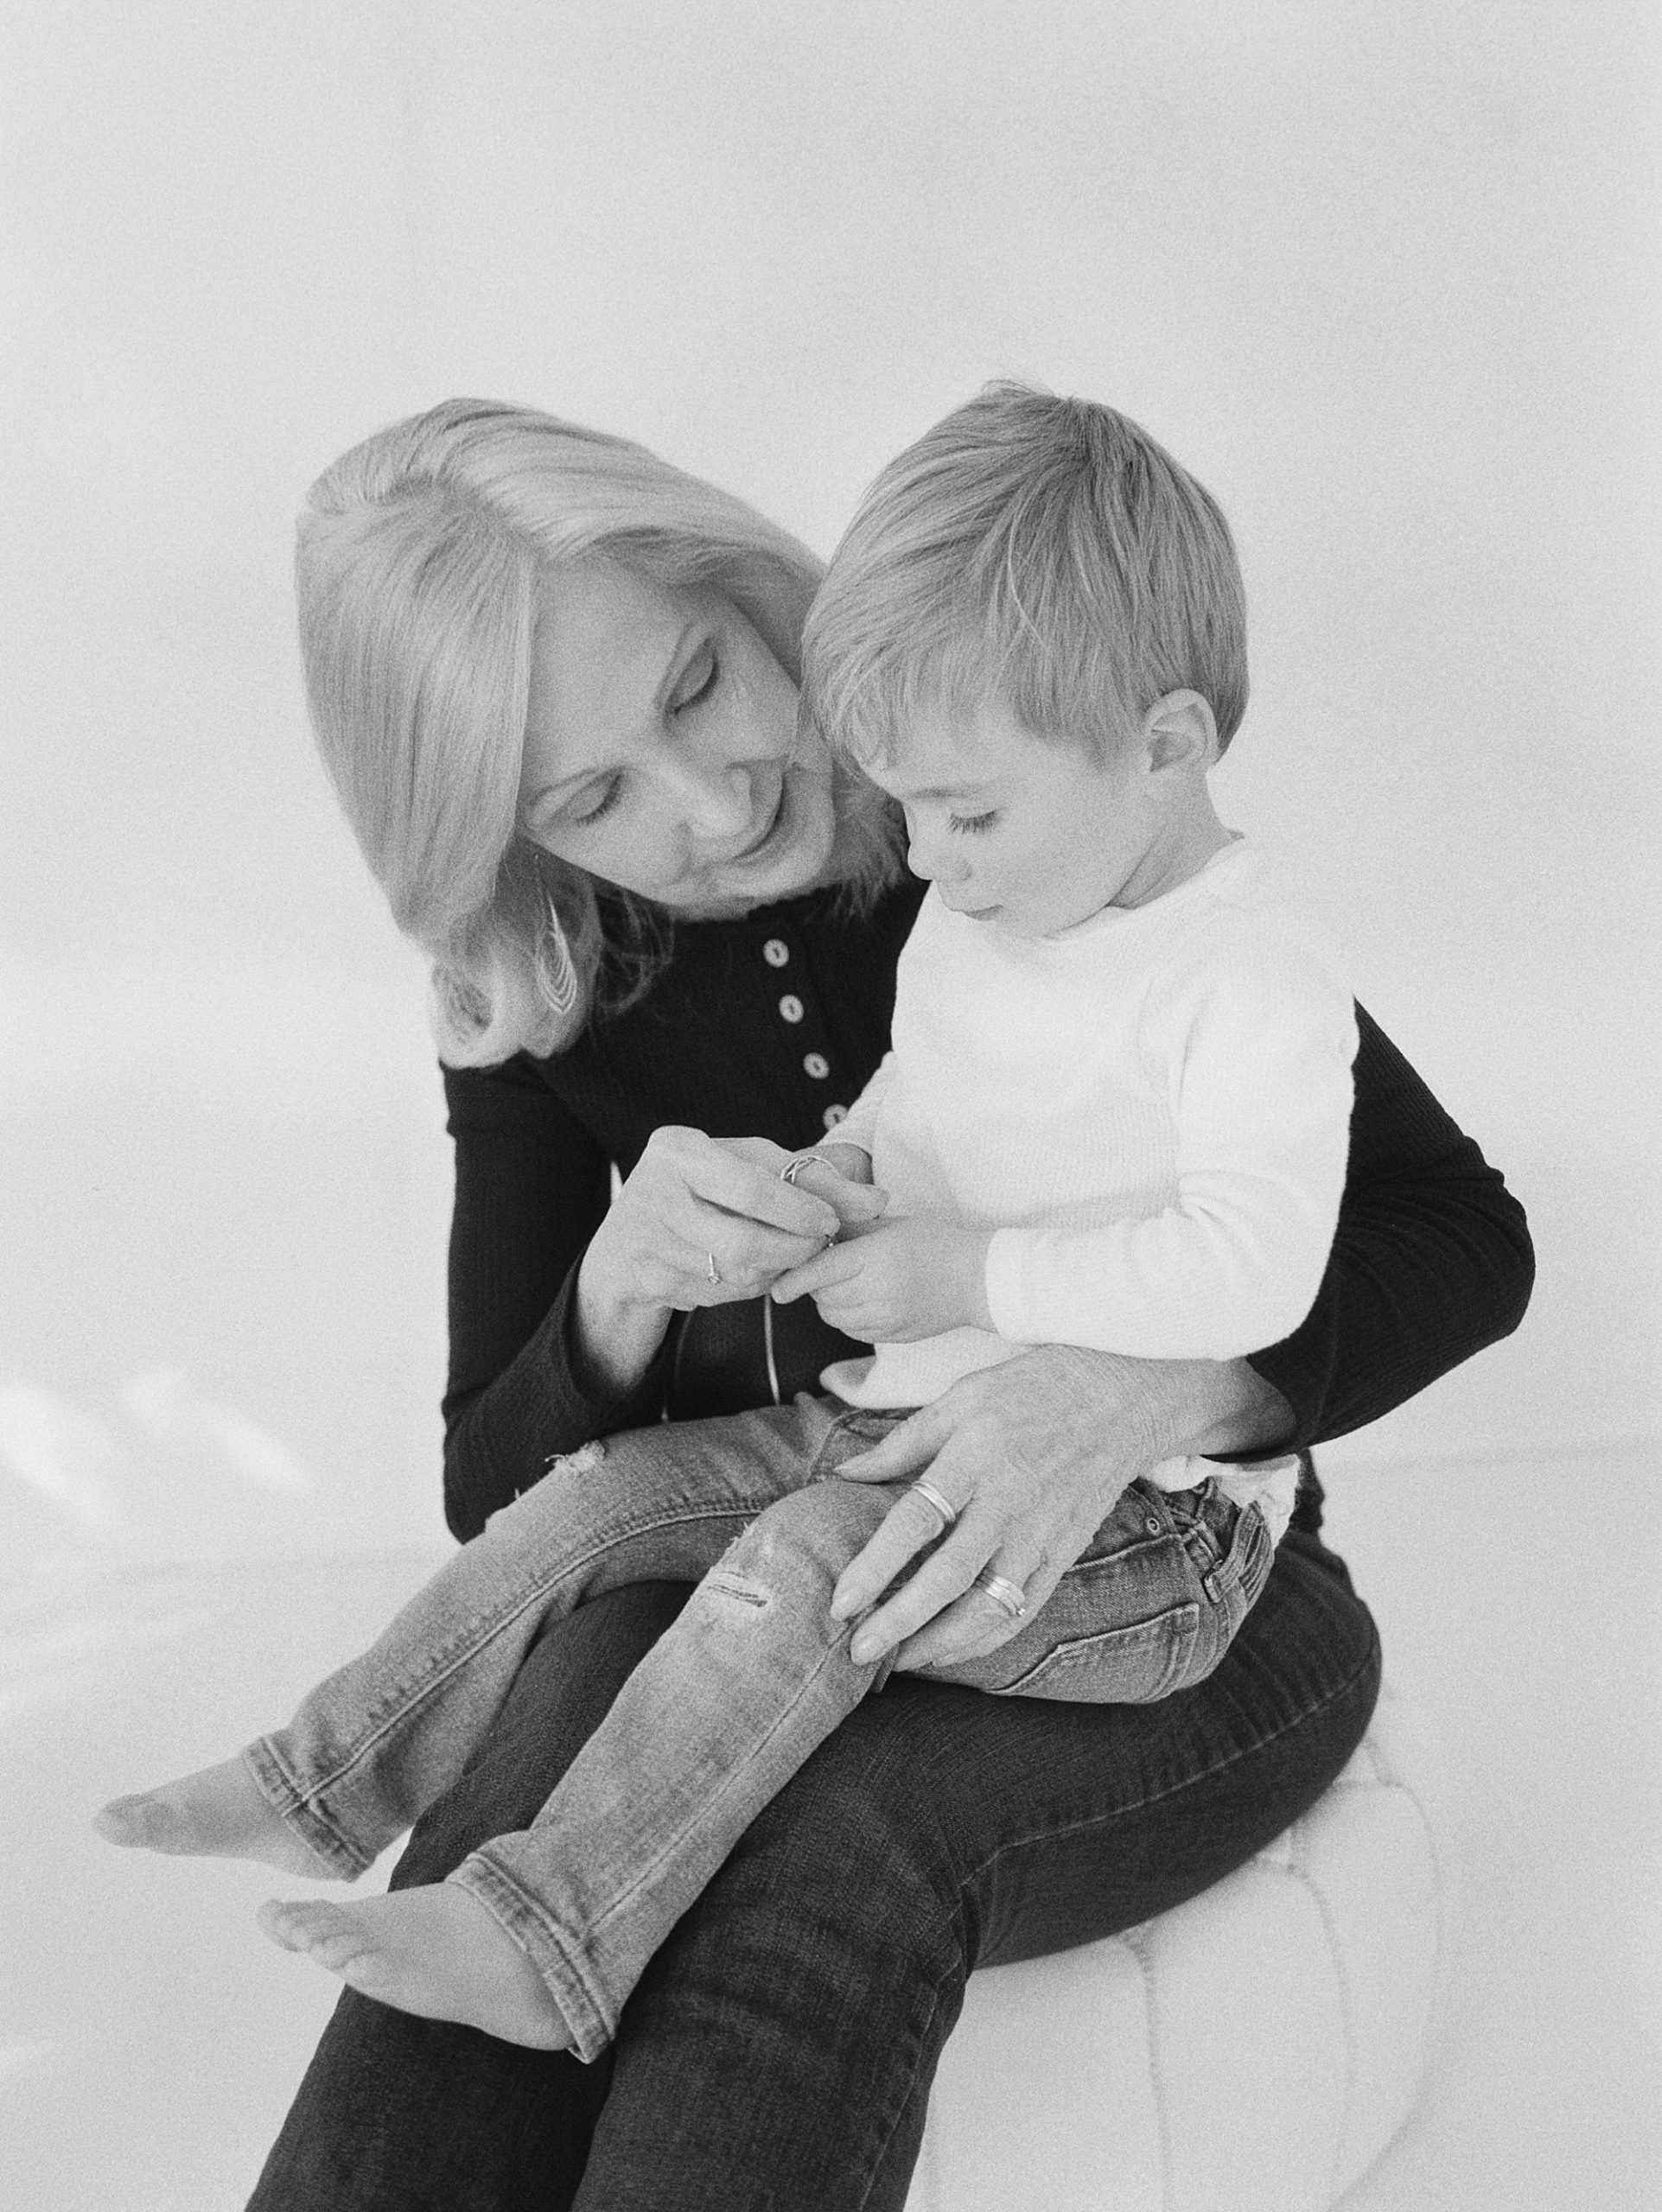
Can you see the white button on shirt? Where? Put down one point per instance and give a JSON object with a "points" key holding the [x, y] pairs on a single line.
{"points": [[816, 1064], [791, 1007], [776, 952], [833, 1114]]}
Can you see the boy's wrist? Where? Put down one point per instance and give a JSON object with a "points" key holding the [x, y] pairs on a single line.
{"points": [[973, 1280]]}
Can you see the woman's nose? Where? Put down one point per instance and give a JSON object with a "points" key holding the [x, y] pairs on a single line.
{"points": [[714, 797]]}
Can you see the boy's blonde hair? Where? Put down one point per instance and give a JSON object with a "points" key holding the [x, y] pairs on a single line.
{"points": [[1042, 552]]}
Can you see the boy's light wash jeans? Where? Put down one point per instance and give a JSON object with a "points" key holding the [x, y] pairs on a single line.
{"points": [[733, 1699]]}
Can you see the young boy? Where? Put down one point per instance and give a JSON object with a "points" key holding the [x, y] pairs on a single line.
{"points": [[1115, 1115]]}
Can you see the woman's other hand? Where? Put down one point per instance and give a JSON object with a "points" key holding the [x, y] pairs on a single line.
{"points": [[700, 1220], [1031, 1455], [897, 1281]]}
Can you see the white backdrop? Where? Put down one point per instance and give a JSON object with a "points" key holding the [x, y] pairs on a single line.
{"points": [[1386, 275], [1385, 278]]}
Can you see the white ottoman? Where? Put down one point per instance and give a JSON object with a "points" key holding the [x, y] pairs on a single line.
{"points": [[1259, 2046]]}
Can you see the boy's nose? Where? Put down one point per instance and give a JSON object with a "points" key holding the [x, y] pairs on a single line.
{"points": [[932, 859]]}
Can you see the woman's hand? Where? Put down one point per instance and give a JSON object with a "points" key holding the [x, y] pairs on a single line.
{"points": [[700, 1220], [1031, 1455], [898, 1280]]}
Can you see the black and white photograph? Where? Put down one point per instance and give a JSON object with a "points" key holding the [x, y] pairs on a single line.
{"points": [[831, 1244]]}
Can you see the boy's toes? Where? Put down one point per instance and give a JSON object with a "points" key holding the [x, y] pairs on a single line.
{"points": [[318, 1930], [129, 1822]]}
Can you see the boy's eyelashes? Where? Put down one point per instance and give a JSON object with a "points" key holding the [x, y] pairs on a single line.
{"points": [[972, 822]]}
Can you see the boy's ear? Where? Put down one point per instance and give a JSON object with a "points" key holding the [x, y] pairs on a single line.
{"points": [[1180, 731]]}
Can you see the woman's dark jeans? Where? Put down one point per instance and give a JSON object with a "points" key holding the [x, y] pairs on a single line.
{"points": [[777, 2056]]}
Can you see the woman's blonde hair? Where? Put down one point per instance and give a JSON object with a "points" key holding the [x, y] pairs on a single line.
{"points": [[421, 559]]}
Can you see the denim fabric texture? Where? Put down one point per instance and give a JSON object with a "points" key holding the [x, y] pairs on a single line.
{"points": [[750, 1681], [777, 2052]]}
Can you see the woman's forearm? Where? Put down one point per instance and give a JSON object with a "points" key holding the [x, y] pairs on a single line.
{"points": [[1432, 1260], [1214, 1407]]}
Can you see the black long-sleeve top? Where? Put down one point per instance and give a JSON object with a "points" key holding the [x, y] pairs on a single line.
{"points": [[765, 1026]]}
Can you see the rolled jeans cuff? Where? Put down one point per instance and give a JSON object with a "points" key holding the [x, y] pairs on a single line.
{"points": [[546, 1945], [296, 1811]]}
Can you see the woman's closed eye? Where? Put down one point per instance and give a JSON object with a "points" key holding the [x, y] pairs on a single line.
{"points": [[608, 799], [704, 673], [971, 822], [702, 676]]}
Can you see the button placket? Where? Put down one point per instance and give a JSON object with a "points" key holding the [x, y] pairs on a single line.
{"points": [[793, 1009]]}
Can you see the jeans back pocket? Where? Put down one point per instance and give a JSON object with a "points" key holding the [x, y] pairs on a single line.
{"points": [[1134, 1665]]}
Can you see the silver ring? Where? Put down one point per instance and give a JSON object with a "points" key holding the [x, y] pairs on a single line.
{"points": [[792, 1168], [712, 1273], [1009, 1595], [931, 1495]]}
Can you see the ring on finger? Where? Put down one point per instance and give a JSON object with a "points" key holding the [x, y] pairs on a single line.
{"points": [[712, 1273], [1008, 1595], [793, 1167], [931, 1496]]}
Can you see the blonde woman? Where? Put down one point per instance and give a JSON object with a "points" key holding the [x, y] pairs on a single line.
{"points": [[555, 683]]}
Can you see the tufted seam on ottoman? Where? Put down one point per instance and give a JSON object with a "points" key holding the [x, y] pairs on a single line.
{"points": [[1396, 1786], [1136, 1942], [1300, 1873], [1441, 1905], [1428, 1830]]}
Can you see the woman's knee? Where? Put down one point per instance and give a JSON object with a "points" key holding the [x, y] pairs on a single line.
{"points": [[873, 1813], [1309, 1636]]}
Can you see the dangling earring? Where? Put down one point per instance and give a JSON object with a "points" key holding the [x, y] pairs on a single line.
{"points": [[556, 968]]}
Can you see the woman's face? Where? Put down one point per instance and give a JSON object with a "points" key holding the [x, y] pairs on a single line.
{"points": [[662, 751]]}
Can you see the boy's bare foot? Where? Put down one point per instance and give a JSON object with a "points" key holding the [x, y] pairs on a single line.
{"points": [[435, 1951], [220, 1812]]}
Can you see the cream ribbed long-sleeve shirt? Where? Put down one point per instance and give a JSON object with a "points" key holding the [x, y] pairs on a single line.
{"points": [[1150, 1111]]}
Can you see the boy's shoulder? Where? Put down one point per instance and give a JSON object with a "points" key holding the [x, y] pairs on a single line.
{"points": [[1246, 891], [1251, 931]]}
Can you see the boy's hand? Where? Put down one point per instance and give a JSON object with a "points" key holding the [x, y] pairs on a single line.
{"points": [[897, 1281], [841, 1174], [851, 1161]]}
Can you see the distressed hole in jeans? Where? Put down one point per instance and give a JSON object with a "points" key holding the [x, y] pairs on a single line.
{"points": [[582, 1461], [724, 1583]]}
